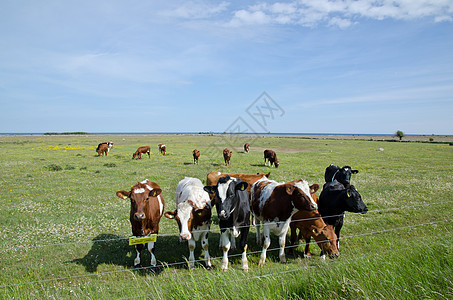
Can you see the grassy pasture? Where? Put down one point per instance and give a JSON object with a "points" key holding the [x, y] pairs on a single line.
{"points": [[63, 231]]}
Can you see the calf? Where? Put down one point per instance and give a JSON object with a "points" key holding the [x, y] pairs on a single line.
{"points": [[274, 204], [140, 151], [104, 148], [310, 224], [342, 175], [162, 149], [334, 200], [193, 215], [247, 147], [226, 156], [271, 156], [196, 156], [233, 211], [147, 207]]}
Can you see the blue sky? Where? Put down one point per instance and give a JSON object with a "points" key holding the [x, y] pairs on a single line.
{"points": [[153, 66]]}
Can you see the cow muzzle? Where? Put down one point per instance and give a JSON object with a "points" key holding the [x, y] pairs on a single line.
{"points": [[139, 216], [185, 236]]}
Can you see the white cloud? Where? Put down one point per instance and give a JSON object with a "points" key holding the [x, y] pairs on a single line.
{"points": [[341, 13], [196, 10]]}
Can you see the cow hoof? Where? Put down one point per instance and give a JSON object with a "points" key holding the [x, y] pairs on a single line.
{"points": [[307, 255]]}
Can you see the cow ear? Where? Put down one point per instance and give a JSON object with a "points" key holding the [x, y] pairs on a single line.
{"points": [[242, 186], [348, 193], [355, 171], [290, 189], [210, 189], [155, 192], [123, 194], [314, 187], [268, 174], [315, 230], [170, 214]]}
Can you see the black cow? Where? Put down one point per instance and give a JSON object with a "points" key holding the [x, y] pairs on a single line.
{"points": [[334, 200], [233, 210], [342, 175]]}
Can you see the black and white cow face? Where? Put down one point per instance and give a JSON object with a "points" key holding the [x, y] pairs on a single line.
{"points": [[342, 175], [354, 201], [226, 195]]}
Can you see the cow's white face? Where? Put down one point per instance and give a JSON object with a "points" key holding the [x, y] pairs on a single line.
{"points": [[303, 185], [184, 216]]}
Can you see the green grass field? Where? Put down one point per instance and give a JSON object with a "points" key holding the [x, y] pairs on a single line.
{"points": [[63, 231]]}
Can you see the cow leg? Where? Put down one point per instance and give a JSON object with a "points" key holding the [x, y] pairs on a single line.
{"points": [[138, 249], [205, 246], [282, 242], [192, 245], [293, 239], [225, 247], [243, 245], [259, 236], [307, 253], [151, 251], [266, 244]]}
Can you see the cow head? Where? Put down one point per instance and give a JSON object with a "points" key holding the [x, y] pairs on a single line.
{"points": [[353, 200], [186, 215], [300, 195], [139, 196], [342, 175], [326, 240], [276, 163], [226, 195]]}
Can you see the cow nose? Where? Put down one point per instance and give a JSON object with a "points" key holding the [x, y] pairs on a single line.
{"points": [[139, 216], [185, 236]]}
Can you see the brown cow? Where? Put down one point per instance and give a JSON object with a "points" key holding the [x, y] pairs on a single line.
{"points": [[162, 149], [147, 207], [196, 155], [142, 150], [274, 204], [104, 148], [226, 156], [311, 224], [271, 156], [247, 147]]}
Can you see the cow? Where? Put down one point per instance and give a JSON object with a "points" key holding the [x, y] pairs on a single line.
{"points": [[147, 208], [233, 211], [142, 150], [310, 224], [213, 177], [334, 200], [193, 215], [342, 175], [273, 204], [196, 156], [104, 148], [247, 147], [271, 156], [226, 156], [162, 149]]}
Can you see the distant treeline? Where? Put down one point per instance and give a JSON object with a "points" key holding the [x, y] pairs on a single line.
{"points": [[66, 133]]}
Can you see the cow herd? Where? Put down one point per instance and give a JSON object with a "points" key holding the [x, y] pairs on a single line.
{"points": [[242, 201]]}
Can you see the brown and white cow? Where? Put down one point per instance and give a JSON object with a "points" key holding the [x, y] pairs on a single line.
{"points": [[311, 224], [271, 156], [142, 150], [104, 148], [273, 204], [147, 208], [226, 156], [196, 156], [162, 149], [247, 147], [193, 215]]}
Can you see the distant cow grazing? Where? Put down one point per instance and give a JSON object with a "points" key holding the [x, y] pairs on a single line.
{"points": [[233, 211], [247, 147], [196, 156], [274, 204], [104, 148], [147, 207], [342, 175], [271, 156], [334, 200], [142, 150], [162, 149], [226, 156], [193, 215], [310, 224]]}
